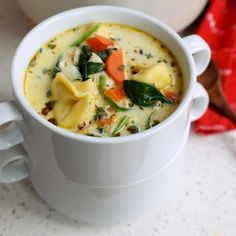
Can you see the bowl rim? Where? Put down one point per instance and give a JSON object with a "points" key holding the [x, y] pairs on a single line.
{"points": [[105, 140]]}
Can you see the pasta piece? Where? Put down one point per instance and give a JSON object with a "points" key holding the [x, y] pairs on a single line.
{"points": [[75, 102], [157, 74]]}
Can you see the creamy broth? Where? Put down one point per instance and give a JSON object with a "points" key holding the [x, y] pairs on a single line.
{"points": [[144, 58]]}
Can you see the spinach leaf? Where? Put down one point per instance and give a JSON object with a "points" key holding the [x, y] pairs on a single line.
{"points": [[143, 94], [86, 67], [94, 67], [121, 124], [85, 54], [105, 54], [86, 34], [102, 85]]}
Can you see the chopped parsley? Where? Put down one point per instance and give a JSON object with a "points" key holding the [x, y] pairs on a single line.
{"points": [[122, 67], [45, 71], [148, 55], [100, 113], [49, 93], [51, 45]]}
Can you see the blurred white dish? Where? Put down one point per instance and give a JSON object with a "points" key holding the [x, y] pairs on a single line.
{"points": [[178, 14]]}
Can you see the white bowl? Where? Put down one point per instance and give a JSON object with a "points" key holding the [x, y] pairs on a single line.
{"points": [[178, 14], [101, 179]]}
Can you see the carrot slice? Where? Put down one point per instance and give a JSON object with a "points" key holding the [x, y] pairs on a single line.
{"points": [[116, 94], [99, 43], [114, 66], [172, 96]]}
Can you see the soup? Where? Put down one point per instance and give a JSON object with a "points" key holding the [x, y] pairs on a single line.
{"points": [[104, 80]]}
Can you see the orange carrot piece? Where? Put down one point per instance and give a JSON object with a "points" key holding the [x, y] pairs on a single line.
{"points": [[172, 96], [114, 66], [99, 43], [116, 94]]}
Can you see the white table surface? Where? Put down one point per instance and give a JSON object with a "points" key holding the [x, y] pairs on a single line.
{"points": [[204, 202]]}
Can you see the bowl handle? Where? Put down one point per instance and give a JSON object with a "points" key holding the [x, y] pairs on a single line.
{"points": [[200, 51], [200, 102], [13, 159]]}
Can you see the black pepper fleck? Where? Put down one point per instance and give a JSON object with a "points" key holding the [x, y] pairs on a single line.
{"points": [[173, 64], [53, 121]]}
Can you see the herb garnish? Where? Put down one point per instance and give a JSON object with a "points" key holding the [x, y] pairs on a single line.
{"points": [[49, 93], [122, 67], [143, 94], [86, 34], [102, 85], [141, 51], [100, 113], [56, 68], [45, 71], [54, 72], [100, 130], [148, 55], [121, 124], [51, 45]]}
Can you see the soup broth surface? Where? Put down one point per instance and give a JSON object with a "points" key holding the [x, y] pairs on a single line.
{"points": [[121, 83]]}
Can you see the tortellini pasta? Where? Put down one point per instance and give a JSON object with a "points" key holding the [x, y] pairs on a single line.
{"points": [[157, 74], [74, 101]]}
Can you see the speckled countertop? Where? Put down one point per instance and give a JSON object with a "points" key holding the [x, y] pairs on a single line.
{"points": [[204, 203]]}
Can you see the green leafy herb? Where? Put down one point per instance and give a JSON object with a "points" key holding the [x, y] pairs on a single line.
{"points": [[86, 34], [143, 94], [141, 51], [56, 68], [105, 54], [102, 85], [32, 63], [49, 93], [100, 130], [51, 45], [45, 71], [122, 67], [121, 124], [54, 72], [85, 54], [115, 39], [94, 67], [100, 113], [148, 55], [114, 105], [87, 68], [40, 50]]}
